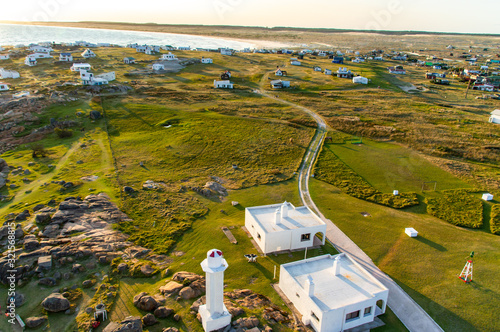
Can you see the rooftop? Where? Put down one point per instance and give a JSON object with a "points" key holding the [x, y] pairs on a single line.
{"points": [[300, 217], [353, 283]]}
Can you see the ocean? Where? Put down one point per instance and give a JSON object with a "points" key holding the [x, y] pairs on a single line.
{"points": [[13, 34]]}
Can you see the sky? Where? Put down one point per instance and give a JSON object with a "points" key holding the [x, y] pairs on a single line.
{"points": [[416, 15]]}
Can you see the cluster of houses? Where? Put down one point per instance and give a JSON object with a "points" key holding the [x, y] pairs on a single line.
{"points": [[332, 293]]}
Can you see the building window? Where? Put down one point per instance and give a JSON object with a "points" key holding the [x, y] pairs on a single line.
{"points": [[368, 311], [313, 315], [258, 236], [305, 237], [352, 315], [297, 294]]}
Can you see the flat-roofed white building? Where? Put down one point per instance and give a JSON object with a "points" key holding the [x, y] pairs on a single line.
{"points": [[224, 84], [80, 67], [333, 293], [279, 227], [169, 57]]}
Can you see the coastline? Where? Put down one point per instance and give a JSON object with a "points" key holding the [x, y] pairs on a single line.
{"points": [[258, 43]]}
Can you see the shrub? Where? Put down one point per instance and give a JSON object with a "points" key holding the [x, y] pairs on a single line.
{"points": [[495, 219], [331, 169], [37, 150], [457, 207], [63, 133]]}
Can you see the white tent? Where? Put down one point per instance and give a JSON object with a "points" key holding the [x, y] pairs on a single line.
{"points": [[360, 80]]}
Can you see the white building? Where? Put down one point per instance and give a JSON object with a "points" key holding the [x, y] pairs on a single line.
{"points": [[295, 63], [279, 84], [141, 49], [89, 79], [4, 56], [279, 227], [207, 60], [225, 84], [158, 66], [226, 51], [40, 49], [280, 72], [4, 73], [149, 51], [333, 293], [495, 117], [30, 61], [214, 314], [88, 53], [65, 57], [80, 67], [184, 48], [360, 80], [317, 68], [128, 60], [343, 72], [328, 72], [39, 55], [4, 86], [168, 57]]}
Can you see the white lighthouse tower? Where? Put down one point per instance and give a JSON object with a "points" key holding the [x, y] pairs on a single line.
{"points": [[214, 314]]}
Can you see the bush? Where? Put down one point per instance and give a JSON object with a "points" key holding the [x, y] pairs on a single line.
{"points": [[457, 207], [495, 219], [331, 169], [37, 150], [63, 133]]}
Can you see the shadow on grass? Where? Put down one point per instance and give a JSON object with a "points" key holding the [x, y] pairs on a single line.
{"points": [[446, 319], [430, 243]]}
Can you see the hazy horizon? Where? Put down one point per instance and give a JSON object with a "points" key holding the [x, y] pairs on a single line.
{"points": [[391, 15]]}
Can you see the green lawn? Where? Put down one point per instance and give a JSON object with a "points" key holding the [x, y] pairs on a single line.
{"points": [[427, 266]]}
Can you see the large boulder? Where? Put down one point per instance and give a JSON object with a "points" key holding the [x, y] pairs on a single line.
{"points": [[95, 115], [147, 270], [47, 282], [149, 320], [43, 218], [34, 322], [129, 324], [19, 299], [171, 287], [163, 312], [55, 302], [187, 293], [145, 302]]}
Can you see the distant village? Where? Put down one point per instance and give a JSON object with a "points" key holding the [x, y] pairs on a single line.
{"points": [[481, 72]]}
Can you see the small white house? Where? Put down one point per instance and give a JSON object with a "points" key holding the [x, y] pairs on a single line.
{"points": [[322, 53], [184, 48], [149, 51], [495, 116], [88, 53], [317, 68], [141, 49], [328, 72], [343, 72], [225, 84], [4, 86], [207, 60], [279, 227], [169, 57], [80, 67], [280, 72], [65, 57], [128, 60], [4, 73], [279, 84], [487, 197], [333, 293], [158, 66], [89, 79], [295, 63], [41, 49], [360, 80], [411, 232], [4, 56], [226, 51], [30, 61], [39, 55]]}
